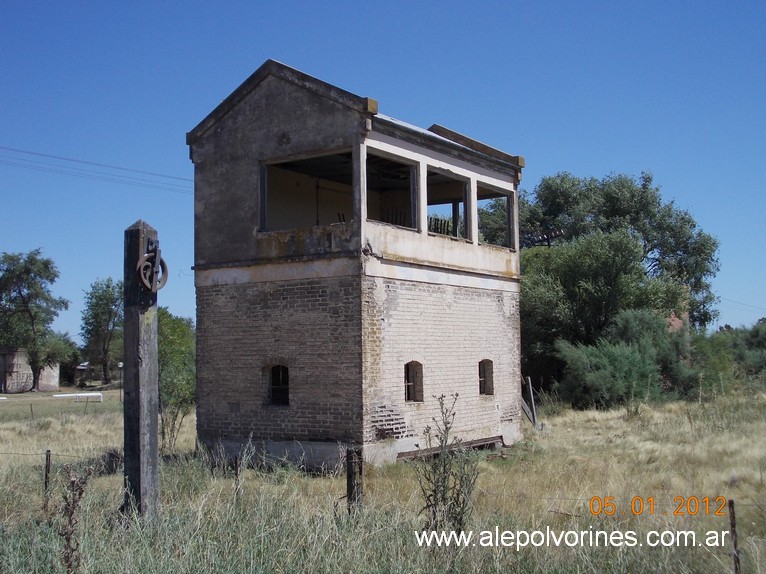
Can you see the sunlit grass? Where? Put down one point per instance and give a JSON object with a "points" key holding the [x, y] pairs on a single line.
{"points": [[281, 520]]}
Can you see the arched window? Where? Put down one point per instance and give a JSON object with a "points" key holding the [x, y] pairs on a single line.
{"points": [[413, 382], [279, 385], [486, 383]]}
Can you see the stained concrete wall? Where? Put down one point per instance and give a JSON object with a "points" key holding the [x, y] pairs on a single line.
{"points": [[17, 375], [297, 200], [278, 120]]}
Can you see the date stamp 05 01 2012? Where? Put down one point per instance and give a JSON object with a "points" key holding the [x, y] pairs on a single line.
{"points": [[639, 506]]}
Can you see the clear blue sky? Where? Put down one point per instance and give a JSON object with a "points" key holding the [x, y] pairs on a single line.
{"points": [[593, 88]]}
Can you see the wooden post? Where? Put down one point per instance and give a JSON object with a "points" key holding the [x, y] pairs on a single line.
{"points": [[141, 387], [733, 526], [47, 481], [532, 402], [354, 478]]}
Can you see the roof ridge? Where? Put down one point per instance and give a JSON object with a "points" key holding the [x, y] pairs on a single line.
{"points": [[476, 145], [279, 70]]}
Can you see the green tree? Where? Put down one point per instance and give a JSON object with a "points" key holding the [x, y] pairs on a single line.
{"points": [[102, 320], [493, 221], [729, 358], [650, 333], [177, 373], [672, 245], [60, 350], [753, 356], [27, 308], [744, 347], [573, 291]]}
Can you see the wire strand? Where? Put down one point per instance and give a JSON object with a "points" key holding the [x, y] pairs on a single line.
{"points": [[17, 150], [105, 172]]}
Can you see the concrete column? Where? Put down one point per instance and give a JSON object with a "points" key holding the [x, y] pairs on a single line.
{"points": [[359, 160], [422, 170], [472, 212]]}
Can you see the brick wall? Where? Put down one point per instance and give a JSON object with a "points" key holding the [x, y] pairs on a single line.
{"points": [[311, 326], [323, 329], [448, 330]]}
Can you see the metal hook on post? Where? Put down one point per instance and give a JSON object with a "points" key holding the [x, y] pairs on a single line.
{"points": [[151, 268]]}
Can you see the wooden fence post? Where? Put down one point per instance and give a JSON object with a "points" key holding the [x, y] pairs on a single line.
{"points": [[47, 481], [532, 402], [144, 274], [354, 478], [733, 526]]}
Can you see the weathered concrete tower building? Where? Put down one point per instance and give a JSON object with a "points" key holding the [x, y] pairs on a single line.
{"points": [[342, 282]]}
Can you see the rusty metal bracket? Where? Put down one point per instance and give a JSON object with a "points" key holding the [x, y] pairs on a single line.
{"points": [[152, 269]]}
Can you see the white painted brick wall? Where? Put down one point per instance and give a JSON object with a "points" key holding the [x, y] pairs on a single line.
{"points": [[448, 330]]}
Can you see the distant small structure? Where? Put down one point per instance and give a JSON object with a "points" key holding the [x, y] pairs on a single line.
{"points": [[83, 372], [16, 374]]}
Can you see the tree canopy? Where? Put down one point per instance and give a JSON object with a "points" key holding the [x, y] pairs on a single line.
{"points": [[27, 308], [102, 319], [672, 244], [573, 291], [732, 353], [619, 250]]}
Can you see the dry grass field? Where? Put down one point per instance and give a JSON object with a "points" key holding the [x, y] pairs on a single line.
{"points": [[280, 520]]}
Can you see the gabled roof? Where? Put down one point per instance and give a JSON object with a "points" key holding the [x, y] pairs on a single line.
{"points": [[279, 70], [435, 133]]}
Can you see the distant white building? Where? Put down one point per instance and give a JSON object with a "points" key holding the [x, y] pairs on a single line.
{"points": [[16, 374]]}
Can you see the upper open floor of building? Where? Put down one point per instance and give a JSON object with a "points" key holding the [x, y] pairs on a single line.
{"points": [[291, 167]]}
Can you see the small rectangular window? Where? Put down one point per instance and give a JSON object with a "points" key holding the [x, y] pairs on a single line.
{"points": [[279, 385], [413, 382], [486, 383]]}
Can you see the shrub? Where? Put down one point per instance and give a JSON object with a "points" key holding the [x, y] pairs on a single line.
{"points": [[648, 332], [446, 473], [73, 492], [607, 374]]}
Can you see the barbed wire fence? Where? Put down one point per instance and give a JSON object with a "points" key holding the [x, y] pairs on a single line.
{"points": [[108, 461], [103, 462]]}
